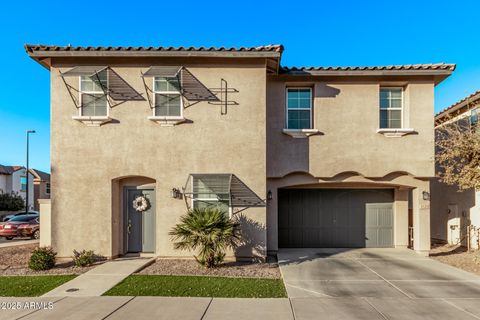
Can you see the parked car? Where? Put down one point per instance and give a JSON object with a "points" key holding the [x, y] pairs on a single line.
{"points": [[19, 213], [10, 229], [30, 229]]}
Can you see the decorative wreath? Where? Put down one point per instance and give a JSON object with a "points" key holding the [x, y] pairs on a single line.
{"points": [[141, 204]]}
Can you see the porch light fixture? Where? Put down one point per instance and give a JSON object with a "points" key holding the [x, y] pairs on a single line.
{"points": [[175, 193], [269, 195], [425, 195]]}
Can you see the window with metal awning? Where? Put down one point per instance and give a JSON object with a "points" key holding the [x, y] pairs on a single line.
{"points": [[223, 191], [189, 86], [113, 87]]}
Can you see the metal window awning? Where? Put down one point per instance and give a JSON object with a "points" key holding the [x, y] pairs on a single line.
{"points": [[88, 71], [116, 89], [221, 186], [190, 87]]}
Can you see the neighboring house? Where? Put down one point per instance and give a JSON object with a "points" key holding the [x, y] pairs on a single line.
{"points": [[452, 210], [14, 179], [41, 186], [306, 157]]}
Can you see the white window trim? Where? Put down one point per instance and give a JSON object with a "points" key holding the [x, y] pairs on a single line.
{"points": [[402, 120], [48, 188], [166, 120], [395, 132], [299, 109], [91, 121]]}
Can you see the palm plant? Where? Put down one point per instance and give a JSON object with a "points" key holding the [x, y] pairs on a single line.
{"points": [[210, 231]]}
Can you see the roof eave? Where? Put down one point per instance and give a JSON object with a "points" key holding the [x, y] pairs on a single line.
{"points": [[44, 57], [439, 74], [457, 109]]}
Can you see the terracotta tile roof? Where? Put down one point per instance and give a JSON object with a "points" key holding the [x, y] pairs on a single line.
{"points": [[431, 66], [42, 47], [459, 107]]}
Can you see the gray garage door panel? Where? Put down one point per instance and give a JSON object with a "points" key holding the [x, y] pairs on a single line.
{"points": [[335, 218], [379, 225]]}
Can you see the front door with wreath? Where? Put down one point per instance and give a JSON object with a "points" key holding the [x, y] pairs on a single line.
{"points": [[140, 219]]}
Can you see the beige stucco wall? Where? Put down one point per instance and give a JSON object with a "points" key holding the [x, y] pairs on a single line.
{"points": [[85, 160], [347, 115], [349, 152], [45, 222]]}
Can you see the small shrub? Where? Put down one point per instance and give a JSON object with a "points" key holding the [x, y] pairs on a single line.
{"points": [[209, 232], [42, 258], [83, 258], [11, 201]]}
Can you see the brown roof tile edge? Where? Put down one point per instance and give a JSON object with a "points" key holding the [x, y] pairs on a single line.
{"points": [[430, 66], [41, 47], [474, 97]]}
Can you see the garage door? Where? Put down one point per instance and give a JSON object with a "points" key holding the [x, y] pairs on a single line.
{"points": [[335, 218]]}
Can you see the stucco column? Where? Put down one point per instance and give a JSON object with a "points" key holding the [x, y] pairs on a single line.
{"points": [[401, 218], [45, 222], [421, 219]]}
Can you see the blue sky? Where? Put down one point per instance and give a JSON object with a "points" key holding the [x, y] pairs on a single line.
{"points": [[316, 33]]}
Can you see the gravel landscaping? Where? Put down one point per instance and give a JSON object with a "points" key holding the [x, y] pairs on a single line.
{"points": [[14, 262], [458, 257], [189, 267]]}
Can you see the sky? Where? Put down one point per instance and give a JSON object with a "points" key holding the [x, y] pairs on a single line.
{"points": [[314, 33]]}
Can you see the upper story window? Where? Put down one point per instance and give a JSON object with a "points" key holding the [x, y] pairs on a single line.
{"points": [[167, 98], [299, 108], [47, 188], [23, 183], [93, 100], [474, 117], [391, 108]]}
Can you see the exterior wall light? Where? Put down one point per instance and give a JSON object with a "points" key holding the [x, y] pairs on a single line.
{"points": [[425, 195], [269, 195], [175, 193]]}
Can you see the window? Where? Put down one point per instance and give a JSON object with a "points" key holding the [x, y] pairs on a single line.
{"points": [[47, 188], [167, 98], [299, 108], [211, 192], [391, 105], [93, 100], [474, 117], [23, 183]]}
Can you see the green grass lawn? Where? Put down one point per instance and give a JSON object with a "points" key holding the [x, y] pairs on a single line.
{"points": [[196, 286], [30, 286]]}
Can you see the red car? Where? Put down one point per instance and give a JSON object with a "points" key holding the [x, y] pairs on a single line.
{"points": [[21, 226]]}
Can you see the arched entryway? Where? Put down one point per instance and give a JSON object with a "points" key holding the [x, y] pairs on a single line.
{"points": [[133, 215]]}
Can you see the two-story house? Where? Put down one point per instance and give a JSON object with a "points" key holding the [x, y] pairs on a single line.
{"points": [[455, 214], [41, 186], [305, 157], [13, 179]]}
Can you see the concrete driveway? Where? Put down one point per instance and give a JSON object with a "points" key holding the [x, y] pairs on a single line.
{"points": [[376, 284], [376, 273]]}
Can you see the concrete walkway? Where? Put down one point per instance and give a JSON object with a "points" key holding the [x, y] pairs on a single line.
{"points": [[100, 279], [15, 243], [138, 308]]}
